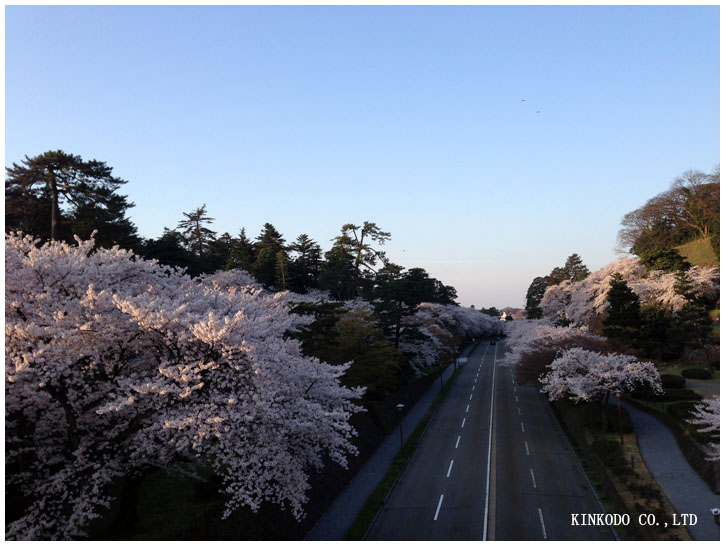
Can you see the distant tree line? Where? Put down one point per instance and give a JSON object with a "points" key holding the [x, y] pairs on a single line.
{"points": [[57, 195]]}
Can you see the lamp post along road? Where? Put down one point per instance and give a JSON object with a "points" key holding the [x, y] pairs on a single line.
{"points": [[400, 410], [619, 417]]}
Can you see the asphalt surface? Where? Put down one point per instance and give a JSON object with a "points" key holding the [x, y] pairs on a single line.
{"points": [[441, 494], [539, 483], [535, 483], [334, 524]]}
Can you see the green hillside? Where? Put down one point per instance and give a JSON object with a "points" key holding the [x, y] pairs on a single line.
{"points": [[698, 252]]}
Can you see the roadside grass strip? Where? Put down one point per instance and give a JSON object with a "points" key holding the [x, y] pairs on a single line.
{"points": [[377, 498]]}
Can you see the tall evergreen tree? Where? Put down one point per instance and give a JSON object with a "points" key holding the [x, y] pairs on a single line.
{"points": [[197, 236], [574, 268], [693, 326], [243, 253], [394, 299], [683, 285], [305, 267], [109, 221], [557, 275], [534, 295], [360, 238], [39, 189], [266, 267], [218, 253], [170, 249], [338, 274], [623, 317], [444, 293]]}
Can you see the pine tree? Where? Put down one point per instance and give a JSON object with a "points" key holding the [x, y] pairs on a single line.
{"points": [[305, 267], [363, 252], [623, 317], [243, 253], [694, 326], [197, 236], [266, 268], [683, 285], [37, 189], [534, 295], [338, 274], [574, 268], [557, 275]]}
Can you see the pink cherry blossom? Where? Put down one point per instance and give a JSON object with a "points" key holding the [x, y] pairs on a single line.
{"points": [[580, 301], [588, 375], [707, 415], [116, 364]]}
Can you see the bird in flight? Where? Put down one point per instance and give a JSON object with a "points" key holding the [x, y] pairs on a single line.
{"points": [[538, 111], [523, 100]]}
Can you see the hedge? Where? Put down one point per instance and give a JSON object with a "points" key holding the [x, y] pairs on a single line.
{"points": [[696, 373]]}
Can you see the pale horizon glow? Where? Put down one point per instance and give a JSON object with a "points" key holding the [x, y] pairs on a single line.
{"points": [[422, 119]]}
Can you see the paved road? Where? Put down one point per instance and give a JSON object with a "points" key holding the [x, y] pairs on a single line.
{"points": [[442, 494], [539, 483], [334, 524]]}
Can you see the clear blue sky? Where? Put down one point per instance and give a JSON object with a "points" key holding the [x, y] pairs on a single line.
{"points": [[410, 117]]}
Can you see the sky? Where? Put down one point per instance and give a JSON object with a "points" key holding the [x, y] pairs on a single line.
{"points": [[491, 141]]}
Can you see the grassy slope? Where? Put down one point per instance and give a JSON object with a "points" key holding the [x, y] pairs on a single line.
{"points": [[698, 252]]}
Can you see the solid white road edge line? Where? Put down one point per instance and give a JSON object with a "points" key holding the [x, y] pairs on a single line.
{"points": [[490, 438]]}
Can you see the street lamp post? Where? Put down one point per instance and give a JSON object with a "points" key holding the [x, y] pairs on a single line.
{"points": [[619, 417], [400, 410]]}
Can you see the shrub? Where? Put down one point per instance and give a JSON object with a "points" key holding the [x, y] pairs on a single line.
{"points": [[610, 452], [668, 396], [681, 410], [671, 381], [696, 373]]}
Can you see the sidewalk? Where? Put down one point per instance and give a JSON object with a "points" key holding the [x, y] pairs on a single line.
{"points": [[342, 513], [683, 487]]}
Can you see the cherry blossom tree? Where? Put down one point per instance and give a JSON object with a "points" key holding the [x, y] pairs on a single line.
{"points": [[442, 327], [707, 415], [116, 366], [583, 375], [580, 301], [533, 345]]}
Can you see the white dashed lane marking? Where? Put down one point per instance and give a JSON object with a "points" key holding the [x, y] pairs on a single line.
{"points": [[435, 518]]}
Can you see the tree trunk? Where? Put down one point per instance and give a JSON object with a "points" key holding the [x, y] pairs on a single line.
{"points": [[55, 211], [707, 358], [398, 324], [605, 421], [128, 511]]}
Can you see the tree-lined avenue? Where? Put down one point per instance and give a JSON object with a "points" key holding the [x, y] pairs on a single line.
{"points": [[535, 482]]}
